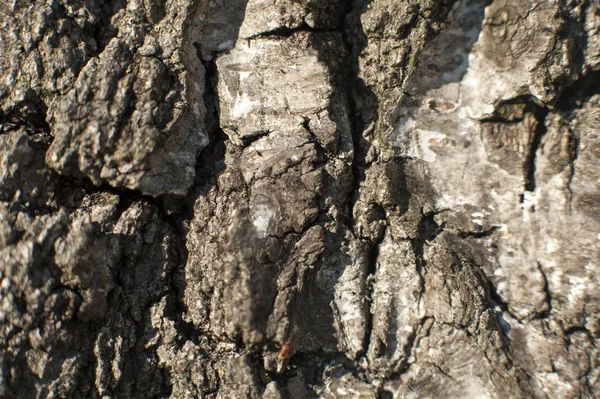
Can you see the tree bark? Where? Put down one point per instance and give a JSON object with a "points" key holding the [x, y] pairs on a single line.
{"points": [[300, 198]]}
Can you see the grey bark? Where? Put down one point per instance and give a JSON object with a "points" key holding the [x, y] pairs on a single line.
{"points": [[300, 198]]}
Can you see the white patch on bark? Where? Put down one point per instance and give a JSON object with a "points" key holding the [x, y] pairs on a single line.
{"points": [[261, 220], [243, 105]]}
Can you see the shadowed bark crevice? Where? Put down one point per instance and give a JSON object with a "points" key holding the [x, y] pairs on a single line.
{"points": [[323, 198]]}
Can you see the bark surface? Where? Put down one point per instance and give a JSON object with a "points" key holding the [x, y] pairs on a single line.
{"points": [[300, 198]]}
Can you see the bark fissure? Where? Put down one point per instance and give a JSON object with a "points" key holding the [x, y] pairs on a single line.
{"points": [[547, 312], [324, 198], [530, 160]]}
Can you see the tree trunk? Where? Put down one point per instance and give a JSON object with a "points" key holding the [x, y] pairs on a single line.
{"points": [[300, 198]]}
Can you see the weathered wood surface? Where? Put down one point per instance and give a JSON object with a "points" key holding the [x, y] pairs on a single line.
{"points": [[300, 198]]}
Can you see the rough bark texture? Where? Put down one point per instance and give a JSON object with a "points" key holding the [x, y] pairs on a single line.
{"points": [[300, 198]]}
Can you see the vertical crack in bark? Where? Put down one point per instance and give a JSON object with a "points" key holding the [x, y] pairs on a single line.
{"points": [[428, 231], [529, 165], [372, 257], [358, 92], [574, 156], [207, 170], [356, 88], [547, 312]]}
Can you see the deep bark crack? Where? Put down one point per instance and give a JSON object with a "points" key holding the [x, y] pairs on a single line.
{"points": [[548, 312], [530, 160]]}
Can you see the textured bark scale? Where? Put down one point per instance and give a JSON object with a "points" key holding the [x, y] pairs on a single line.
{"points": [[300, 198]]}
